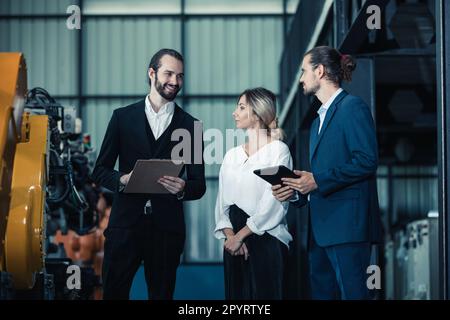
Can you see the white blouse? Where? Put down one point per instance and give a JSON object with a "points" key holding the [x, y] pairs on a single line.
{"points": [[240, 186]]}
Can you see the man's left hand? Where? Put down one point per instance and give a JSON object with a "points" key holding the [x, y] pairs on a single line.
{"points": [[304, 185], [173, 184]]}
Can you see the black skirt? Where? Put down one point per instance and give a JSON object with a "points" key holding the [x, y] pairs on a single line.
{"points": [[261, 276]]}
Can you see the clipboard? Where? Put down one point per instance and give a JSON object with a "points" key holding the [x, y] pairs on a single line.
{"points": [[146, 173]]}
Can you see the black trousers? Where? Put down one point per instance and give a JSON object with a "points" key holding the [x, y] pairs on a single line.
{"points": [[126, 248], [261, 276]]}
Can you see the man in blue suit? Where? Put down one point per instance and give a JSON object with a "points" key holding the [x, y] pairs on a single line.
{"points": [[341, 187]]}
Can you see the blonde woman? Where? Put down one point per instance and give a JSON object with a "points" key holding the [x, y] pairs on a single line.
{"points": [[248, 217]]}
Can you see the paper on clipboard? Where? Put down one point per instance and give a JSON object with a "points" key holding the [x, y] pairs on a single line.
{"points": [[146, 173]]}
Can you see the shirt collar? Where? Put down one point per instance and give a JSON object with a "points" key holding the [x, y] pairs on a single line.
{"points": [[168, 108], [326, 105]]}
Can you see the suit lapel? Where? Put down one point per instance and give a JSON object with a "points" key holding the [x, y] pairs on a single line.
{"points": [[313, 136], [328, 117], [139, 122]]}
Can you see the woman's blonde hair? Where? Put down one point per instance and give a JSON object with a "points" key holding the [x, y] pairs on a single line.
{"points": [[263, 103]]}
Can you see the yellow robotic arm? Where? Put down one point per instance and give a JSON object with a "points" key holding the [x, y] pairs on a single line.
{"points": [[23, 175]]}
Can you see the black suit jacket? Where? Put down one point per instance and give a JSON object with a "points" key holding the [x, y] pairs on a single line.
{"points": [[126, 137]]}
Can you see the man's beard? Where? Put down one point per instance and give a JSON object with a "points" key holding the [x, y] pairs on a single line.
{"points": [[169, 96], [312, 91]]}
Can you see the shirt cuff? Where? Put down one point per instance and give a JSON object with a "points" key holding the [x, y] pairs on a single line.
{"points": [[252, 226], [180, 195], [295, 197], [121, 185], [218, 233]]}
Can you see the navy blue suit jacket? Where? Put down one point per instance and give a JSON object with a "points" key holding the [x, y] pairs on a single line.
{"points": [[344, 160]]}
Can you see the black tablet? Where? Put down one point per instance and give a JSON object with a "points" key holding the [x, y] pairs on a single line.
{"points": [[273, 175]]}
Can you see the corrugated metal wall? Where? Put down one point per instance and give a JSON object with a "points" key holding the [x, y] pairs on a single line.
{"points": [[227, 55], [50, 52], [97, 113], [407, 193], [35, 6], [117, 52], [50, 48]]}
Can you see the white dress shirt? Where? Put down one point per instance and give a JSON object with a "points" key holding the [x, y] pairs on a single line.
{"points": [[240, 186], [161, 120], [324, 108]]}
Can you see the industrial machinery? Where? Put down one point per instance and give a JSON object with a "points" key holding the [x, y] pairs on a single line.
{"points": [[412, 261], [45, 187]]}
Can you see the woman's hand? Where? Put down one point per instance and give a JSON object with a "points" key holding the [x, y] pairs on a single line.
{"points": [[282, 193], [233, 244], [243, 251]]}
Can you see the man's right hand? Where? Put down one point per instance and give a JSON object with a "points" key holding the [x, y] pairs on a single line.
{"points": [[282, 193], [125, 178]]}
